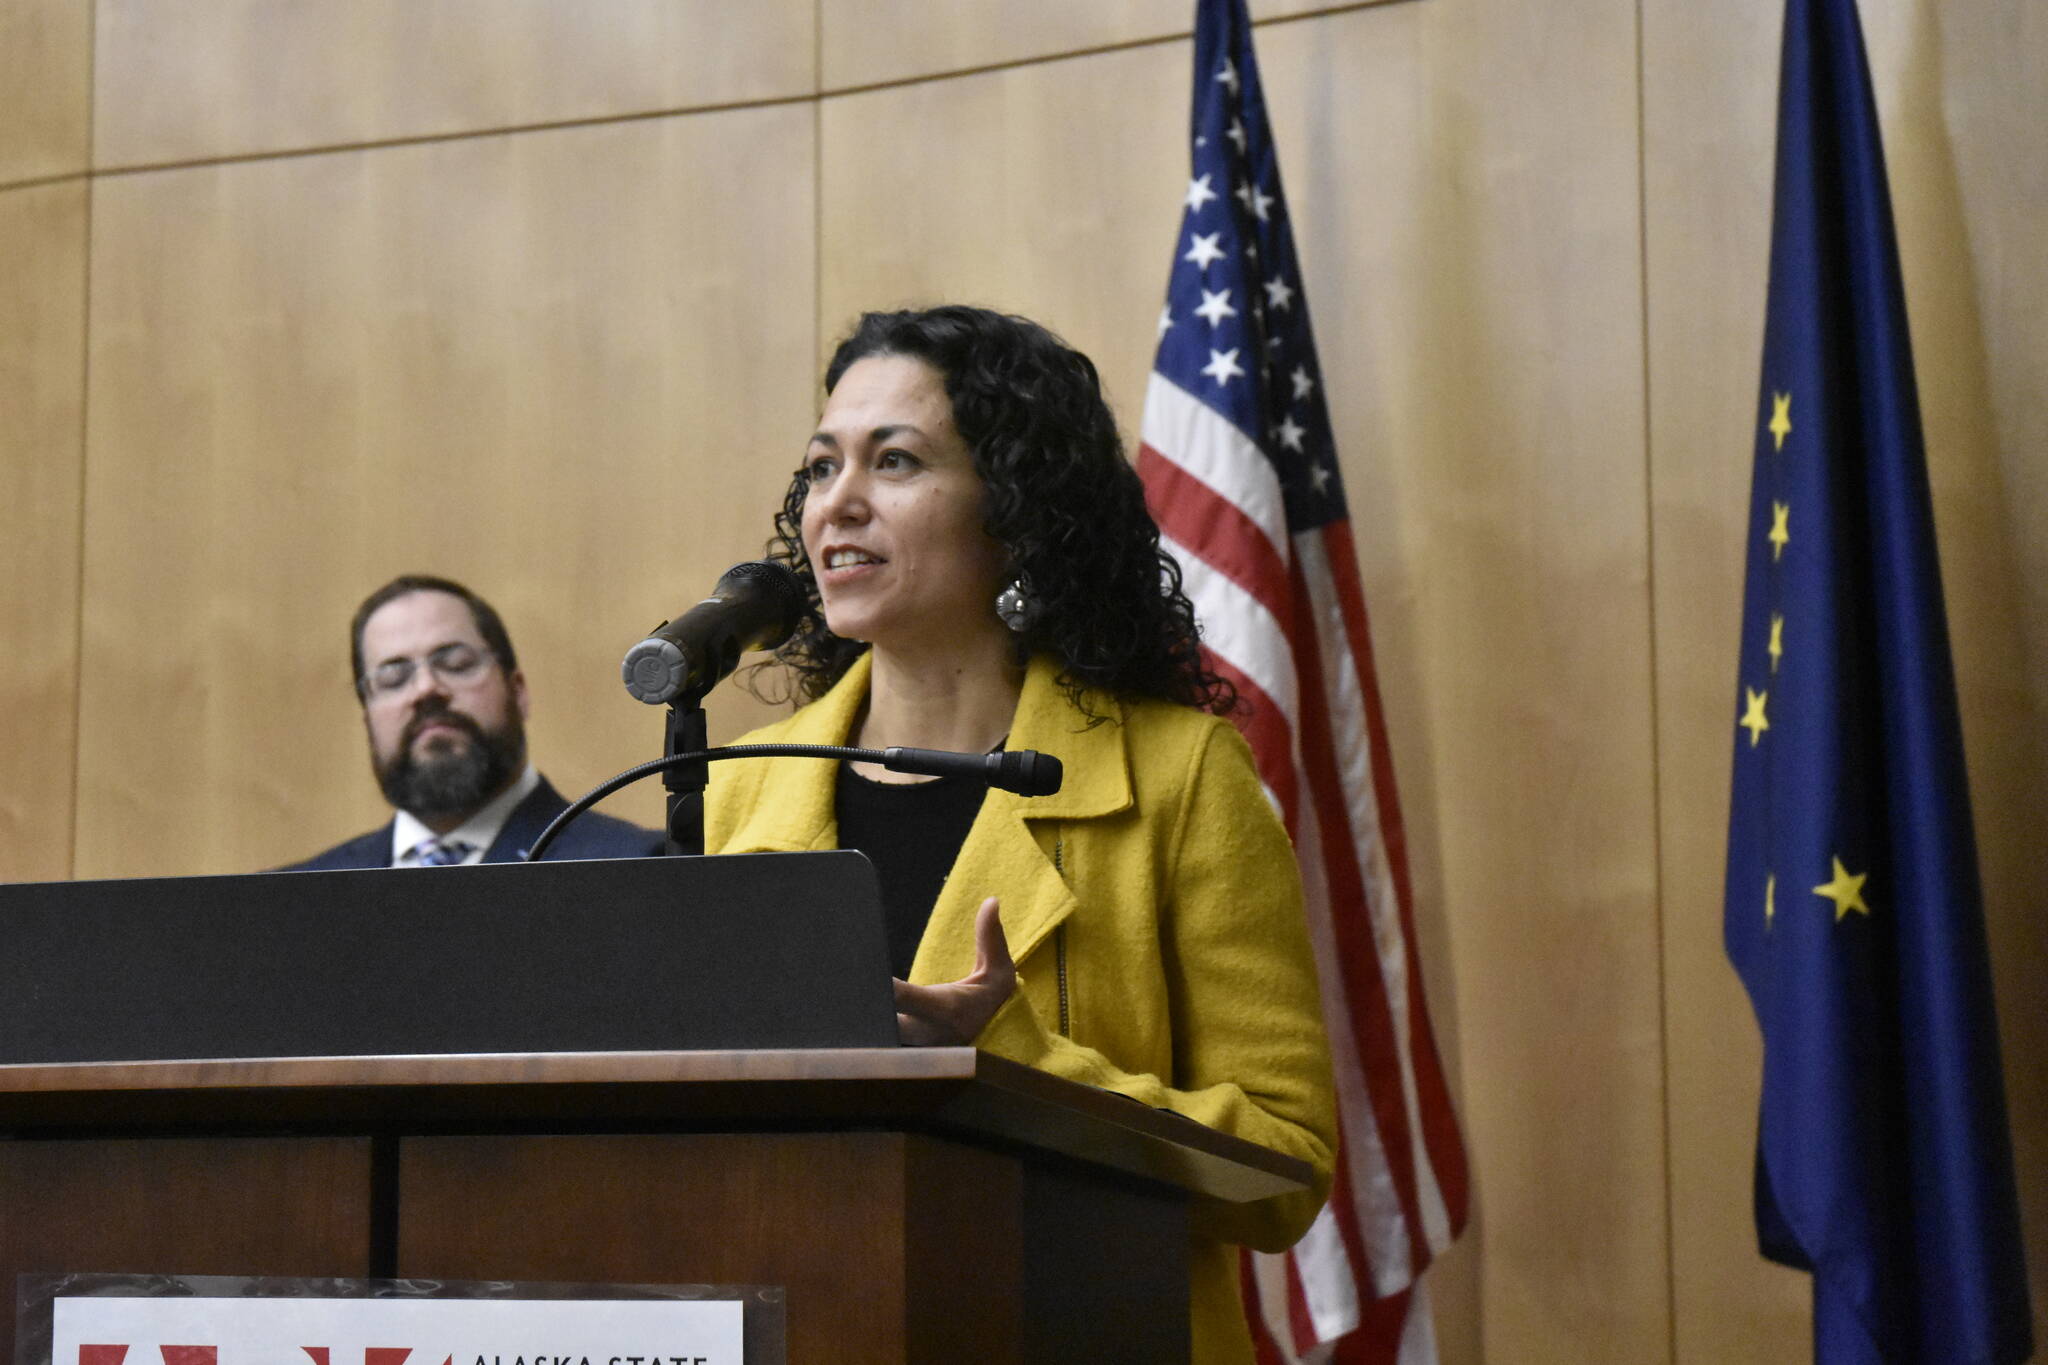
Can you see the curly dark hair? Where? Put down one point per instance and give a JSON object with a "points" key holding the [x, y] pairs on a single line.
{"points": [[1062, 500]]}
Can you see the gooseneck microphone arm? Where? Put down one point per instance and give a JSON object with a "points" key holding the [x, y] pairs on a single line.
{"points": [[1027, 772]]}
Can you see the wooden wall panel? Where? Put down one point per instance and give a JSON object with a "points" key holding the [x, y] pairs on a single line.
{"points": [[1520, 433], [1051, 190], [45, 88], [1710, 84], [870, 42], [1960, 97], [570, 368], [185, 82], [42, 407], [1491, 419]]}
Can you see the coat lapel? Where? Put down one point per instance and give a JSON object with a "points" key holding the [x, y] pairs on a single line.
{"points": [[1004, 854], [792, 811], [525, 824]]}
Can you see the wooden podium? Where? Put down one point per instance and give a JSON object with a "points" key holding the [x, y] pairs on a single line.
{"points": [[648, 1071], [918, 1205]]}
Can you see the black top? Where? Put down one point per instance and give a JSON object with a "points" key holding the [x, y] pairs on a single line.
{"points": [[911, 832]]}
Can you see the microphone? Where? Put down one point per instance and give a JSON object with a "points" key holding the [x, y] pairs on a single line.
{"points": [[1026, 772], [755, 605]]}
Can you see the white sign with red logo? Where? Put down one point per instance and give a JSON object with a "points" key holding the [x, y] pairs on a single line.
{"points": [[343, 1331]]}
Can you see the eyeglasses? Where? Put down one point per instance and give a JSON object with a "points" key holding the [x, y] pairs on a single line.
{"points": [[454, 664]]}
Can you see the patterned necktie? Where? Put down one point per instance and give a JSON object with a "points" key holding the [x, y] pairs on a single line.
{"points": [[442, 852]]}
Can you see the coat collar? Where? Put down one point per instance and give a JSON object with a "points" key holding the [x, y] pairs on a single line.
{"points": [[532, 815], [1096, 770], [793, 810]]}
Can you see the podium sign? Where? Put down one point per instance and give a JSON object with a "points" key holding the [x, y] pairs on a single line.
{"points": [[209, 1320]]}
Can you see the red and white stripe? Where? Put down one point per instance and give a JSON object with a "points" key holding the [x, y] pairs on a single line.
{"points": [[1284, 619]]}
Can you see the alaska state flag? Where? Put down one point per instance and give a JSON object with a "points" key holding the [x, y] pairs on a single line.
{"points": [[1853, 913]]}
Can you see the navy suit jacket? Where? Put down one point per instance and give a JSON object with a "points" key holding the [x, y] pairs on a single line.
{"points": [[589, 835]]}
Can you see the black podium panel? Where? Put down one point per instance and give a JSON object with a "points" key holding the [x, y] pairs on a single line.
{"points": [[773, 950]]}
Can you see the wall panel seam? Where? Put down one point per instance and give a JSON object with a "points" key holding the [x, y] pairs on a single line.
{"points": [[817, 179], [1072, 54], [37, 182], [1656, 726], [84, 453], [465, 135], [817, 92]]}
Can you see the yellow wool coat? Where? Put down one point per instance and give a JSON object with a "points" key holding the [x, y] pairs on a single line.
{"points": [[1153, 906]]}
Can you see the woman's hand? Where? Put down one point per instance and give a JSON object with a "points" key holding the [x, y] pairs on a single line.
{"points": [[955, 1013]]}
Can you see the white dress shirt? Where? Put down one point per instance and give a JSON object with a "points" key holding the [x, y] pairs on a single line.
{"points": [[480, 831]]}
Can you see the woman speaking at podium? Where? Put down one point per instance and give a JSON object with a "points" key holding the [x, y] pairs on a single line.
{"points": [[982, 573]]}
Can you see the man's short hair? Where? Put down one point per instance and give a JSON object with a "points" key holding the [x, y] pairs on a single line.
{"points": [[488, 624]]}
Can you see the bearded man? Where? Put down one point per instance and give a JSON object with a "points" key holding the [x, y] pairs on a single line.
{"points": [[445, 706]]}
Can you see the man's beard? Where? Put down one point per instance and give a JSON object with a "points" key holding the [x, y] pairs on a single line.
{"points": [[456, 782]]}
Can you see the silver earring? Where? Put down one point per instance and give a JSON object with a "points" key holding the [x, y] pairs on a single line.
{"points": [[1015, 608]]}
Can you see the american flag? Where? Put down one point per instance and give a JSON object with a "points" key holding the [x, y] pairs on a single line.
{"points": [[1241, 472]]}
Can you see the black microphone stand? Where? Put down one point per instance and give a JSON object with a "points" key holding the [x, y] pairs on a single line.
{"points": [[686, 777]]}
